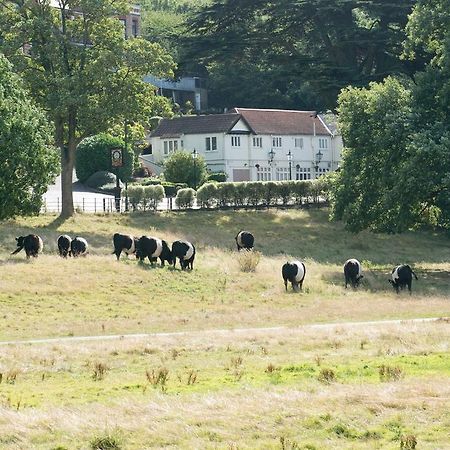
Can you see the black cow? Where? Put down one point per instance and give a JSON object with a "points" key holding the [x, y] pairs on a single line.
{"points": [[352, 272], [79, 247], [294, 272], [32, 244], [244, 239], [153, 248], [401, 276], [64, 242], [185, 252], [124, 243]]}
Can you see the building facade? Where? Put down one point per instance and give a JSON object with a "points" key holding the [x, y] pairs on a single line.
{"points": [[252, 144]]}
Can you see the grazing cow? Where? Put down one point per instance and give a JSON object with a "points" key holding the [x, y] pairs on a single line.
{"points": [[244, 239], [185, 252], [153, 248], [79, 247], [64, 242], [401, 276], [294, 272], [124, 243], [352, 272], [32, 244]]}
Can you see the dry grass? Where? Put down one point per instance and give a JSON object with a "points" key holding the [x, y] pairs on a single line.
{"points": [[248, 260]]}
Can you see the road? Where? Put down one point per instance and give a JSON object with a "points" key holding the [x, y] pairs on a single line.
{"points": [[224, 331]]}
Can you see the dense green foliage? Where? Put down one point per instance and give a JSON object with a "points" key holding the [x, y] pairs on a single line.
{"points": [[28, 163], [396, 168], [296, 54], [185, 198], [81, 69], [94, 155], [181, 167], [144, 197]]}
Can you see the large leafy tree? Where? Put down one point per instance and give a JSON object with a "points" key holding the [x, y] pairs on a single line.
{"points": [[298, 46], [181, 167], [80, 68], [28, 163], [396, 168]]}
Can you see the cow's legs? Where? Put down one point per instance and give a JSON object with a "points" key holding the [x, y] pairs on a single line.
{"points": [[285, 285]]}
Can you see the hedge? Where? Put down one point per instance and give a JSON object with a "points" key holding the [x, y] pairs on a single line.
{"points": [[145, 197], [185, 198]]}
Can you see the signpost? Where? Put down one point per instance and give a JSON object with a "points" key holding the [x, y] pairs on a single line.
{"points": [[117, 163]]}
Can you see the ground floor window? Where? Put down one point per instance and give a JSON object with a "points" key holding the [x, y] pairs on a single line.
{"points": [[321, 172], [282, 173], [263, 173], [170, 146], [303, 173]]}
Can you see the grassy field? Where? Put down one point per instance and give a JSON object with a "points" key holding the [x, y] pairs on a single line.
{"points": [[342, 386]]}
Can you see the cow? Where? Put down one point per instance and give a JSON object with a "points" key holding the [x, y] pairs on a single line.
{"points": [[352, 272], [244, 239], [32, 244], [79, 247], [401, 276], [124, 243], [153, 248], [64, 242], [294, 272], [185, 252]]}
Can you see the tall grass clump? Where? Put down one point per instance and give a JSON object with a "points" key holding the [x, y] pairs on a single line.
{"points": [[107, 441], [248, 261], [390, 373]]}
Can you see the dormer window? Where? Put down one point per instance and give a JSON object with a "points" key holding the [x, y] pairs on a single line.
{"points": [[323, 143]]}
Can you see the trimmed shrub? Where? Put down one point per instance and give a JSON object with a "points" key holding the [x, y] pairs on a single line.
{"points": [[240, 193], [220, 177], [181, 167], [103, 181], [299, 190], [284, 192], [170, 189], [153, 195], [225, 193], [270, 192], [255, 192], [207, 195], [135, 196], [94, 154], [185, 198]]}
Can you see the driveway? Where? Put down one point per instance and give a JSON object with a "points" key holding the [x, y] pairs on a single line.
{"points": [[84, 199]]}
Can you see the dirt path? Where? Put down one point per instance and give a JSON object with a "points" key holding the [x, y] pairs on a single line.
{"points": [[235, 331]]}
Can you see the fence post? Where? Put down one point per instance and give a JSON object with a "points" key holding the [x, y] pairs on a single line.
{"points": [[83, 205], [57, 198], [95, 204], [104, 204]]}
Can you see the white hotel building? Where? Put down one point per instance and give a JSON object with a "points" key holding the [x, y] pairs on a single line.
{"points": [[251, 144]]}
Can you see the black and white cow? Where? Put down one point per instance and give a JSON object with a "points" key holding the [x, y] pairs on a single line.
{"points": [[294, 272], [401, 276], [153, 248], [64, 242], [32, 244], [185, 252], [79, 247], [352, 272], [124, 243], [244, 239]]}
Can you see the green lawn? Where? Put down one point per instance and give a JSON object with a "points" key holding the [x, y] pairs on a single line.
{"points": [[287, 388]]}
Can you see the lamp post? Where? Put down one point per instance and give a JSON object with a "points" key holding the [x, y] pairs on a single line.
{"points": [[319, 156], [271, 156], [289, 156], [194, 157], [117, 163]]}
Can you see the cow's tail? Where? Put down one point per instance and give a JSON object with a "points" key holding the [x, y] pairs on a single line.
{"points": [[414, 273]]}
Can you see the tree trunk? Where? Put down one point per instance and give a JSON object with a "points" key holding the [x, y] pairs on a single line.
{"points": [[67, 164]]}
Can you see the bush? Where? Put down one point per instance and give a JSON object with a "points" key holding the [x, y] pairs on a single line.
{"points": [[225, 193], [299, 190], [207, 195], [270, 192], [255, 192], [220, 177], [185, 198], [153, 195], [248, 260], [135, 196], [284, 192], [240, 193], [103, 180], [170, 189], [94, 154], [181, 167]]}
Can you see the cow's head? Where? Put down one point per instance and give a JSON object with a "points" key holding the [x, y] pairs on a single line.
{"points": [[358, 279], [20, 241], [166, 253]]}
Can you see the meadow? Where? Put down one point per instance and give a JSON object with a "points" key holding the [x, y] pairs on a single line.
{"points": [[222, 382]]}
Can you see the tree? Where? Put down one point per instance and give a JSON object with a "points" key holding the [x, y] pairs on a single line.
{"points": [[28, 163], [94, 155], [298, 48], [80, 69], [181, 167]]}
